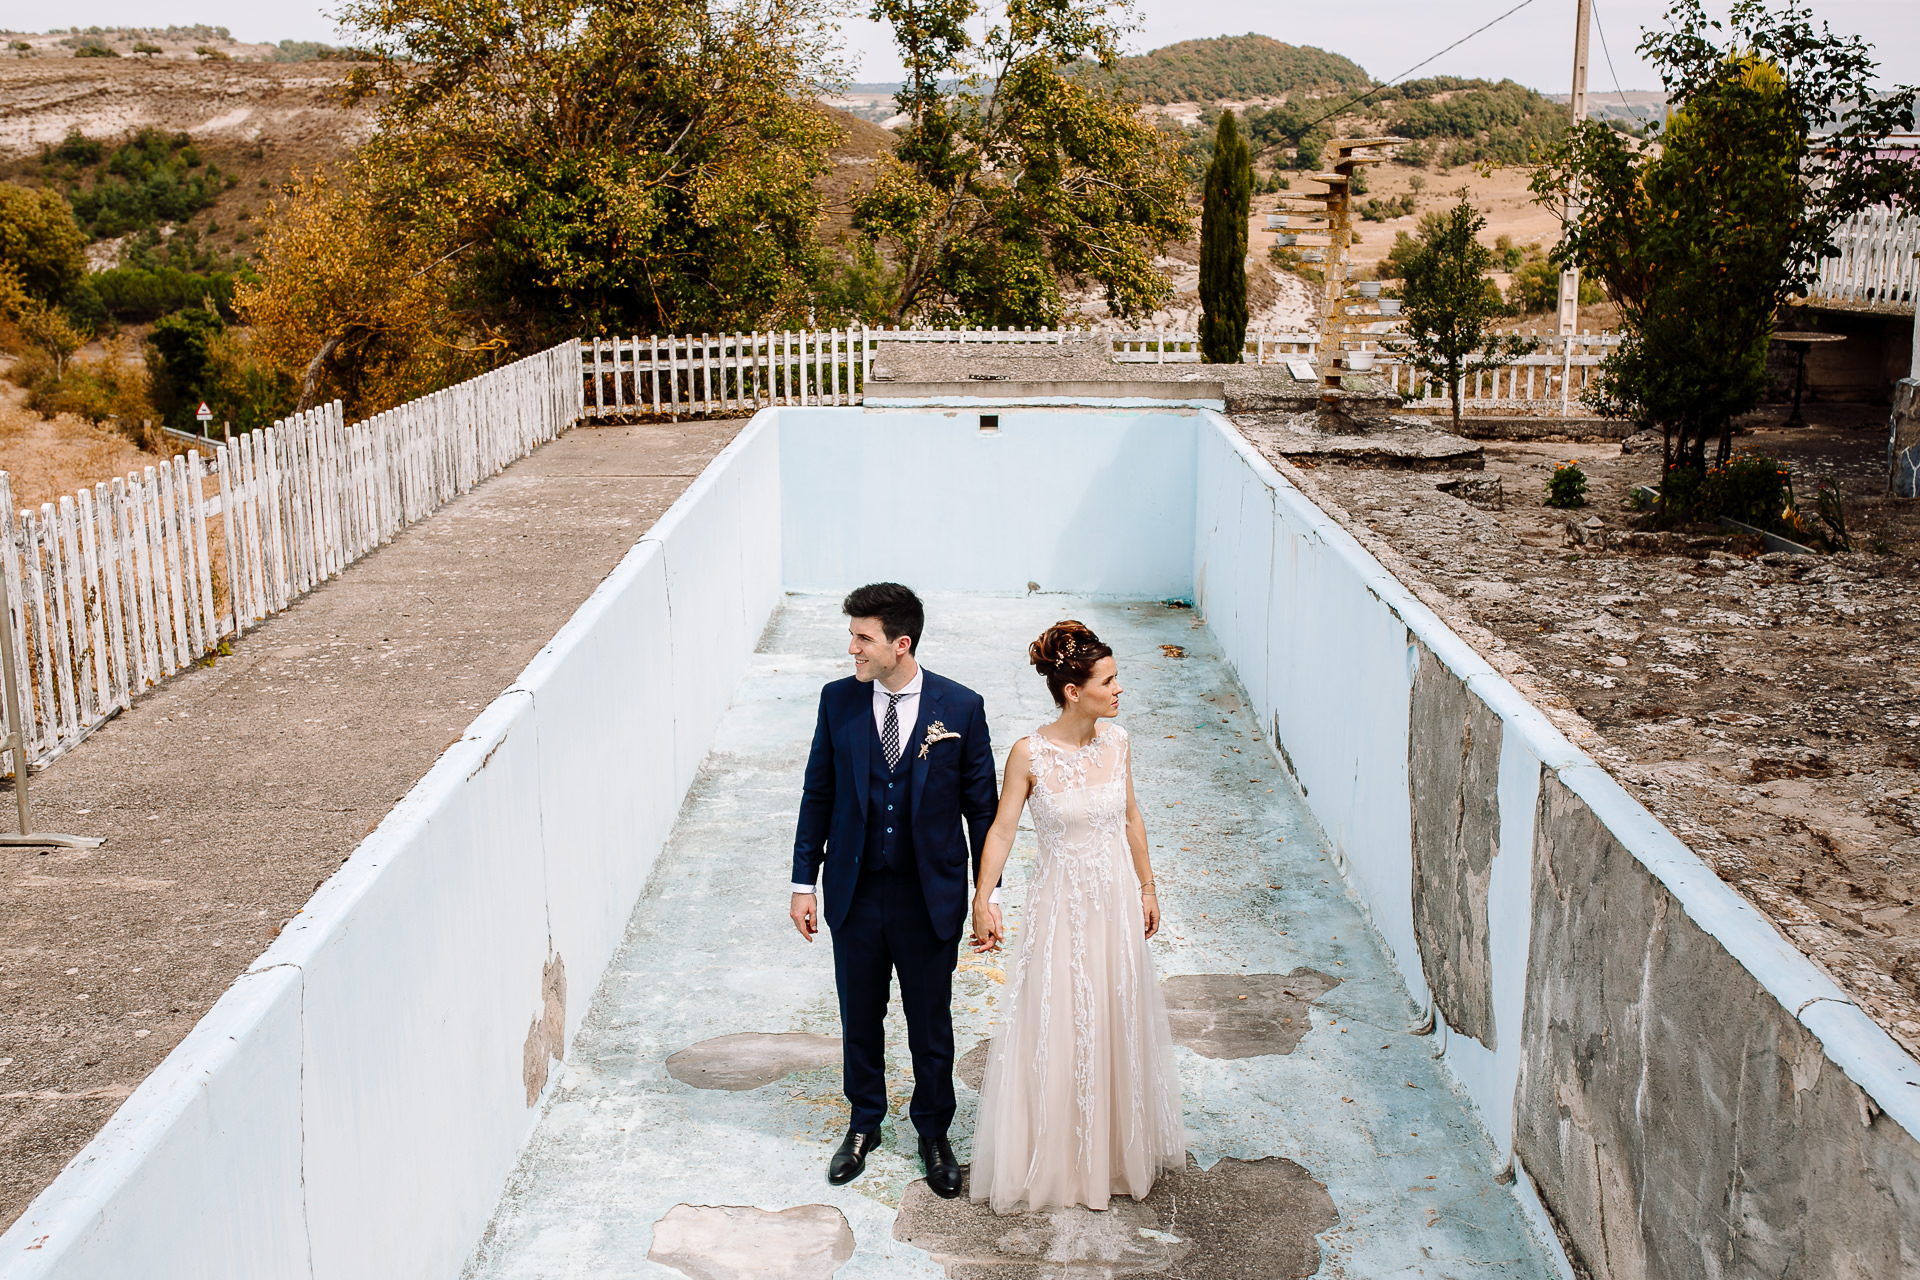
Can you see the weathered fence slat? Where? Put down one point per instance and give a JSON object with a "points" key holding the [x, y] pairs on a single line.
{"points": [[114, 589]]}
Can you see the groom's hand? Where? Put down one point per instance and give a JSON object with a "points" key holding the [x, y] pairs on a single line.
{"points": [[989, 931], [805, 915]]}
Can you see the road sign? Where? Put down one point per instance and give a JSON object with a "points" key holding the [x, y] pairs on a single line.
{"points": [[203, 413]]}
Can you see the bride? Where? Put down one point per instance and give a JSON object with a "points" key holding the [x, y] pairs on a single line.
{"points": [[1081, 1100]]}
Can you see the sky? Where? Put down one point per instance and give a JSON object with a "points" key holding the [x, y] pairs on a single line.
{"points": [[1388, 37]]}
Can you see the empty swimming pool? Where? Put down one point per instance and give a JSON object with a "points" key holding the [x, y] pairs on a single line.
{"points": [[1365, 826]]}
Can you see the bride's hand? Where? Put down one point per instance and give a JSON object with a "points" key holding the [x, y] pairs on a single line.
{"points": [[1150, 908], [988, 931]]}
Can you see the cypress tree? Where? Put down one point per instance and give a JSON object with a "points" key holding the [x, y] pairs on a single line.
{"points": [[1223, 246]]}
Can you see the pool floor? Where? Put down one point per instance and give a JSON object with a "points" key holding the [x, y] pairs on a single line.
{"points": [[1333, 1140]]}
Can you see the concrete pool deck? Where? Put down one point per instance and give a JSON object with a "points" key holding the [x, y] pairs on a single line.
{"points": [[629, 1158]]}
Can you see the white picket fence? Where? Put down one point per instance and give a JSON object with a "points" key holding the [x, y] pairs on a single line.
{"points": [[1553, 380], [117, 588], [738, 373], [1876, 268]]}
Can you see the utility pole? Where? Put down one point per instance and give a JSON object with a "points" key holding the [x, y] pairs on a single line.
{"points": [[1570, 278]]}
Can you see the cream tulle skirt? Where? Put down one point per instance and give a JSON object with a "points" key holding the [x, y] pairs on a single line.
{"points": [[1081, 1099]]}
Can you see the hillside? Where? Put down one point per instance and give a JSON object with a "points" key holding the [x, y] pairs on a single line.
{"points": [[1238, 68], [187, 44]]}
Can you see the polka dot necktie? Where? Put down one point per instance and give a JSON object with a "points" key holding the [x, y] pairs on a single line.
{"points": [[890, 731]]}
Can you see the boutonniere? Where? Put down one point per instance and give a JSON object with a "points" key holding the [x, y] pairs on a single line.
{"points": [[936, 732]]}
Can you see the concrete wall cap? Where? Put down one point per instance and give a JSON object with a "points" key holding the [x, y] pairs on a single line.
{"points": [[1858, 1046], [40, 1241]]}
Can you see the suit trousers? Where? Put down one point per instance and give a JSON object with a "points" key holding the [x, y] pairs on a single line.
{"points": [[887, 931]]}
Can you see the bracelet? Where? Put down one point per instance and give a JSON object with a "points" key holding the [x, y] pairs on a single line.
{"points": [[1147, 887]]}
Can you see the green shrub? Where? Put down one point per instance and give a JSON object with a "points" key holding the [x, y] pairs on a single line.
{"points": [[156, 177], [1831, 508], [193, 356], [92, 389], [76, 148], [180, 361], [1378, 210], [1567, 487], [41, 242], [1536, 287], [134, 294], [240, 390], [1752, 488]]}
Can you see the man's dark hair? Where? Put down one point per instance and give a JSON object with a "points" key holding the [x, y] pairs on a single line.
{"points": [[898, 609]]}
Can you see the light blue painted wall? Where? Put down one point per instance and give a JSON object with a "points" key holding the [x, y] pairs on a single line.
{"points": [[1097, 503]]}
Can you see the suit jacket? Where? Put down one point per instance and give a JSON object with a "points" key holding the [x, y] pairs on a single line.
{"points": [[953, 781]]}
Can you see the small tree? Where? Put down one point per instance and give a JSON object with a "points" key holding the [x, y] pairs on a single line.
{"points": [[1776, 139], [1449, 304], [1223, 247]]}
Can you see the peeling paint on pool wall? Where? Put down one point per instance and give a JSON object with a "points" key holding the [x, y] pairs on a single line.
{"points": [[1639, 1133], [353, 1106]]}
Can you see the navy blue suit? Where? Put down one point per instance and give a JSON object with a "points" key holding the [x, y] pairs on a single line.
{"points": [[896, 881]]}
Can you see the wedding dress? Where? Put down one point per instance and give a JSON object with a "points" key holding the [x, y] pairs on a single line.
{"points": [[1081, 1099]]}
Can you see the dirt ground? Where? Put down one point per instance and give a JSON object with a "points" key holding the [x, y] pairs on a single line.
{"points": [[1766, 707], [47, 458], [260, 122]]}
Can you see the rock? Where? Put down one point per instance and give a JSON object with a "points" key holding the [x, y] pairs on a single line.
{"points": [[739, 1242], [751, 1059], [1486, 492]]}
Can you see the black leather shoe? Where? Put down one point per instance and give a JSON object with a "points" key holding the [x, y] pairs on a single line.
{"points": [[851, 1159], [943, 1170]]}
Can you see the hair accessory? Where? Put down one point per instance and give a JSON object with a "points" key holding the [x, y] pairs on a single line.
{"points": [[1067, 650]]}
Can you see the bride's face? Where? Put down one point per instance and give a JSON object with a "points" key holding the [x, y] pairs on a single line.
{"points": [[1100, 695]]}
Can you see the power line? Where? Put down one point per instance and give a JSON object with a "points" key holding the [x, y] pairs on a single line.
{"points": [[1601, 28], [1353, 102]]}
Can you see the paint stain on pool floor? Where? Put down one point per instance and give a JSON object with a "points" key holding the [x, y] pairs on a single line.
{"points": [[1324, 1139]]}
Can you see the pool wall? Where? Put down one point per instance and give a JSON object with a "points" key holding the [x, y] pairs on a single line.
{"points": [[1685, 1092], [352, 1106], [1097, 503]]}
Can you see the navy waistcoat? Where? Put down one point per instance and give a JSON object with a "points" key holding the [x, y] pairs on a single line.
{"points": [[889, 805]]}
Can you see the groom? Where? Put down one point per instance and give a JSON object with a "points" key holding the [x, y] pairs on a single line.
{"points": [[900, 756]]}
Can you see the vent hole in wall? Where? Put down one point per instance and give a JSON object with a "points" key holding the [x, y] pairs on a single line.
{"points": [[989, 424]]}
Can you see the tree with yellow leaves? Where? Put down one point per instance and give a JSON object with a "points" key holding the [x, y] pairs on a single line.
{"points": [[355, 306]]}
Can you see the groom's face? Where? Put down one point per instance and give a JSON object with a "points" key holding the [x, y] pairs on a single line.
{"points": [[874, 656]]}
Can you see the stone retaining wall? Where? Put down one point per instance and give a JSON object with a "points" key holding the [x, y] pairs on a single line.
{"points": [[1680, 1091]]}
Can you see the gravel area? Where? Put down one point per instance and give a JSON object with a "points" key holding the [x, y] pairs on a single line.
{"points": [[230, 793], [1765, 706]]}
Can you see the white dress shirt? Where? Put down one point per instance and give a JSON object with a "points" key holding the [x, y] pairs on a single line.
{"points": [[907, 710]]}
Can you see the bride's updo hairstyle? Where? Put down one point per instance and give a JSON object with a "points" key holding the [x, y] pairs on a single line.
{"points": [[1064, 654]]}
